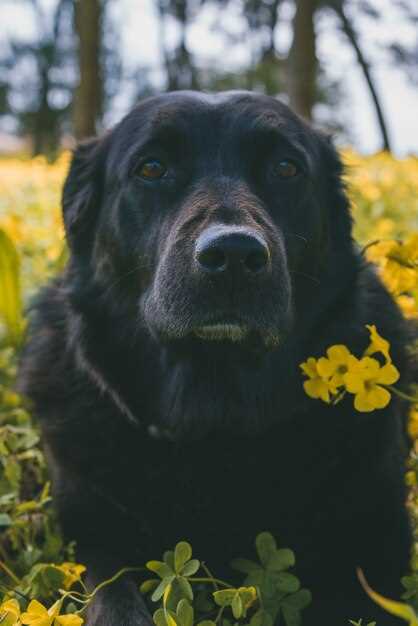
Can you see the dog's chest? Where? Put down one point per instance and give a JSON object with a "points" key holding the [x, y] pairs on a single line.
{"points": [[218, 494]]}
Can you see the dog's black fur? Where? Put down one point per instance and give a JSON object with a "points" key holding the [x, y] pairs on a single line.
{"points": [[153, 432]]}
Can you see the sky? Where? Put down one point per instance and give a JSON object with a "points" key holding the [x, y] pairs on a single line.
{"points": [[137, 24]]}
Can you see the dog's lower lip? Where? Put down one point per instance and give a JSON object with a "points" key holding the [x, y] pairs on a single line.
{"points": [[220, 331]]}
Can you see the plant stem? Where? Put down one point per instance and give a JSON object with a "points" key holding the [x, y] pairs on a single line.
{"points": [[9, 572], [209, 573], [109, 581], [210, 580], [401, 394]]}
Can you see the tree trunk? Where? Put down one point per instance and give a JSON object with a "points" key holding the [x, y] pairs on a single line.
{"points": [[301, 61], [88, 100], [352, 37]]}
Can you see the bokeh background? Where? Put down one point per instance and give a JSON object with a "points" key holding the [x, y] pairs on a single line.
{"points": [[69, 68]]}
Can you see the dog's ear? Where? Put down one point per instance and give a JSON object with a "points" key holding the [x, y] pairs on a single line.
{"points": [[81, 194]]}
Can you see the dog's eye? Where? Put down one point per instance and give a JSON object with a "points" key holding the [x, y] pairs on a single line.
{"points": [[152, 170], [286, 169]]}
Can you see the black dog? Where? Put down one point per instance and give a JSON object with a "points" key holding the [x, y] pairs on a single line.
{"points": [[210, 254]]}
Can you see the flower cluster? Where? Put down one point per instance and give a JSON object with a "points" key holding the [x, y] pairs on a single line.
{"points": [[398, 266], [332, 376], [36, 615]]}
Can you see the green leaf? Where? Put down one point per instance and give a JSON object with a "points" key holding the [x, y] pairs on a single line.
{"points": [[244, 565], [159, 592], [256, 578], [10, 296], [185, 588], [393, 607], [168, 558], [190, 568], [159, 618], [206, 622], [224, 597], [170, 618], [287, 583], [237, 606], [5, 520], [299, 600], [266, 547], [281, 560], [149, 585], [291, 615], [159, 568], [261, 618], [185, 613], [182, 553], [13, 472]]}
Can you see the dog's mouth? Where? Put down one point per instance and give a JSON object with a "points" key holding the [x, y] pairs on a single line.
{"points": [[223, 331], [234, 331]]}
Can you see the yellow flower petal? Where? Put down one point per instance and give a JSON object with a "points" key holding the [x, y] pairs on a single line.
{"points": [[9, 613], [387, 375], [362, 403], [338, 353], [36, 615], [309, 367], [325, 367], [68, 620], [354, 382], [371, 399], [377, 343], [317, 389]]}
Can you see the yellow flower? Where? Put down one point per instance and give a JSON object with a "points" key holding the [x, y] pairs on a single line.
{"points": [[68, 620], [377, 344], [398, 263], [365, 380], [9, 613], [38, 615], [316, 386], [72, 573], [408, 305], [413, 423], [336, 365], [411, 478]]}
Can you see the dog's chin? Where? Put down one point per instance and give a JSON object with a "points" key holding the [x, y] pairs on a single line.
{"points": [[222, 333]]}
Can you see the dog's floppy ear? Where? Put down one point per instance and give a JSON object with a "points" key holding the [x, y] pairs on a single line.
{"points": [[81, 194]]}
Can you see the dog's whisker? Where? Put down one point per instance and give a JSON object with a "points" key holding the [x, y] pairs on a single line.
{"points": [[305, 275], [298, 236]]}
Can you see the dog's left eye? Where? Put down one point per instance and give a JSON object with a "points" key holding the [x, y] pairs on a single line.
{"points": [[286, 169], [152, 170]]}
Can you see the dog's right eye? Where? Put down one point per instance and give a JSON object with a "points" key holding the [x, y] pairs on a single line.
{"points": [[152, 170]]}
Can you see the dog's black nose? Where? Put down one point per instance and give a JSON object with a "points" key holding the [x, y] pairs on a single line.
{"points": [[224, 248]]}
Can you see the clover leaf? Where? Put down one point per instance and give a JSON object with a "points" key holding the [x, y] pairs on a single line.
{"points": [[239, 599], [173, 571]]}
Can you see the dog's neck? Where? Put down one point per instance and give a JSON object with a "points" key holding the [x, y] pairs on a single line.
{"points": [[181, 393]]}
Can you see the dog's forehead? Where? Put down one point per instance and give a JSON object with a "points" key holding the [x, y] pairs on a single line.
{"points": [[204, 118], [187, 110]]}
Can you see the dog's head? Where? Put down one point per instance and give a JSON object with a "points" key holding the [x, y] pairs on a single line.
{"points": [[208, 217]]}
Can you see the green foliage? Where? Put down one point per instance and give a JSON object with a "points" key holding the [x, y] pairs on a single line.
{"points": [[10, 297], [182, 592], [269, 592]]}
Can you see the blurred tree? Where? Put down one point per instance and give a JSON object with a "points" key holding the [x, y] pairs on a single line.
{"points": [[88, 98], [302, 61], [349, 30], [179, 66], [39, 77]]}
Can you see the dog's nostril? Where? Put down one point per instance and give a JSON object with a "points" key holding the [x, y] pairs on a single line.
{"points": [[212, 259], [257, 260], [223, 249]]}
